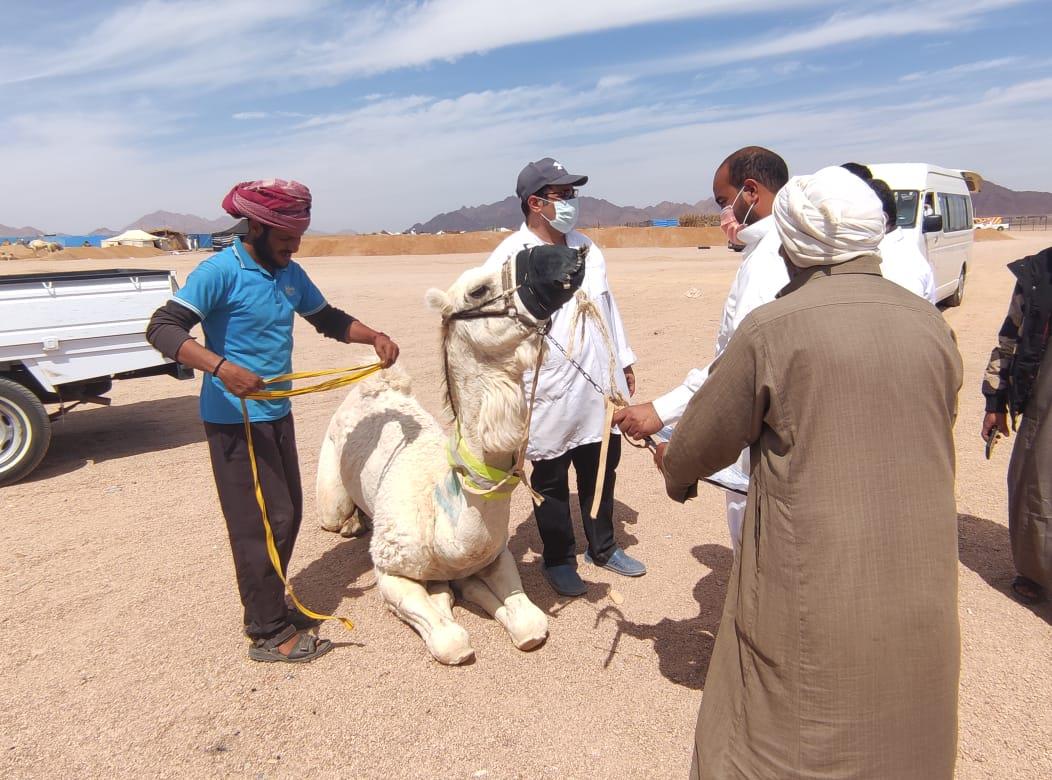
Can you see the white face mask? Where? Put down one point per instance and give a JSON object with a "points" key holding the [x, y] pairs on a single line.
{"points": [[745, 219], [565, 214]]}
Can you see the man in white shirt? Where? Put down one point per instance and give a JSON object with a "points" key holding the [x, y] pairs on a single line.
{"points": [[745, 184], [901, 260], [569, 414]]}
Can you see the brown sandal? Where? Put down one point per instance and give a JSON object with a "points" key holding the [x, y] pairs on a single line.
{"points": [[1027, 591], [307, 648]]}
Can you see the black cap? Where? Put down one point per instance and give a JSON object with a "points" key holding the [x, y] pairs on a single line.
{"points": [[545, 173]]}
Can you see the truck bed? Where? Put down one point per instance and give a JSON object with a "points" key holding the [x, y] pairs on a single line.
{"points": [[77, 325]]}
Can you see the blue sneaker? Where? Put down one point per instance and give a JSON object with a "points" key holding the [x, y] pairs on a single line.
{"points": [[565, 580], [621, 563]]}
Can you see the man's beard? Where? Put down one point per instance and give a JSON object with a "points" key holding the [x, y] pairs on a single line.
{"points": [[263, 252]]}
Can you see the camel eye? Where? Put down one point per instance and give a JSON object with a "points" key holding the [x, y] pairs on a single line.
{"points": [[479, 292]]}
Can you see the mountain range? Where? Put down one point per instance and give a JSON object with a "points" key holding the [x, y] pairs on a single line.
{"points": [[182, 223], [594, 212], [994, 200], [997, 201]]}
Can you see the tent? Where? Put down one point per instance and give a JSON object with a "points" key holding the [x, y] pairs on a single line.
{"points": [[133, 238], [172, 240]]}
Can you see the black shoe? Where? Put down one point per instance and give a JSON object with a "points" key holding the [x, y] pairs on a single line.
{"points": [[565, 580]]}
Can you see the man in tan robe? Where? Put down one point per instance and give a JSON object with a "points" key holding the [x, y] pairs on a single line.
{"points": [[838, 654]]}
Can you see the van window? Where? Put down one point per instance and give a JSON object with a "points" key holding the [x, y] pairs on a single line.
{"points": [[956, 212], [906, 205]]}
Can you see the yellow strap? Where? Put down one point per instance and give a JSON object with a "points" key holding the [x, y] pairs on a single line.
{"points": [[600, 478], [353, 374]]}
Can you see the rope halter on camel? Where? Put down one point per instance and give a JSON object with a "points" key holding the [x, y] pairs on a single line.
{"points": [[475, 476]]}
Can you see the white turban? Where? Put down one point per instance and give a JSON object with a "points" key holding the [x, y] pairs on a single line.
{"points": [[828, 218]]}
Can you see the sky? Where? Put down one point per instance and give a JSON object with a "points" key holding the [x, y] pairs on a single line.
{"points": [[392, 112]]}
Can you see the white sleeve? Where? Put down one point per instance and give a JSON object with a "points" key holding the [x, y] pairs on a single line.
{"points": [[929, 283], [671, 405], [757, 285]]}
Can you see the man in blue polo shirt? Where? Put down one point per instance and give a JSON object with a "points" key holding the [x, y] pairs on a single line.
{"points": [[245, 298]]}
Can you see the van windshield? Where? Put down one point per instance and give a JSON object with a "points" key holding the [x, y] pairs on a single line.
{"points": [[906, 203]]}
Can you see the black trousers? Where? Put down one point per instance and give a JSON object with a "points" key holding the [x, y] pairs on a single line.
{"points": [[262, 592], [550, 478]]}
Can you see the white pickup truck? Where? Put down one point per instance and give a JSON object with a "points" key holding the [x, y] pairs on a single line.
{"points": [[64, 338]]}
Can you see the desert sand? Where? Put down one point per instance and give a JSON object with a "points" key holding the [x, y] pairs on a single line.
{"points": [[121, 623]]}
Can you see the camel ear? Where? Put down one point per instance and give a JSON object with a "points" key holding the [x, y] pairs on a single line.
{"points": [[437, 300]]}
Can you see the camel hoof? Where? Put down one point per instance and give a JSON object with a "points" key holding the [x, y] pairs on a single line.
{"points": [[449, 644], [527, 625], [531, 643]]}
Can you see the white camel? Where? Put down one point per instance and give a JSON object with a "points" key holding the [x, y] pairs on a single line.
{"points": [[386, 456]]}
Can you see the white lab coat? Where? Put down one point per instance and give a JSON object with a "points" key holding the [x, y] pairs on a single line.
{"points": [[760, 278], [902, 262], [568, 411]]}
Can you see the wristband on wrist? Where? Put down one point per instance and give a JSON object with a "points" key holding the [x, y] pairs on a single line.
{"points": [[215, 371]]}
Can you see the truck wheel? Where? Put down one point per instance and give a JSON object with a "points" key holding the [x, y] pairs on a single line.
{"points": [[958, 295], [25, 431]]}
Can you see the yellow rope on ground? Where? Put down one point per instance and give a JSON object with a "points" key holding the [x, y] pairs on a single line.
{"points": [[346, 377]]}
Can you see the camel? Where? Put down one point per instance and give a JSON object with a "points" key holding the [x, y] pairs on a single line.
{"points": [[440, 503]]}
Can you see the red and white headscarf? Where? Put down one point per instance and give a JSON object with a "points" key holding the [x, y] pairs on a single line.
{"points": [[281, 204]]}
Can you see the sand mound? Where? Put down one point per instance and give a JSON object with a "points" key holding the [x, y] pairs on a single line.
{"points": [[992, 235]]}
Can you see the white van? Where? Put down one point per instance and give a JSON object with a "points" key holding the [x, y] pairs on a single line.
{"points": [[935, 210]]}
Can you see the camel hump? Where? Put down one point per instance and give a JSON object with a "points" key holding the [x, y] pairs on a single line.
{"points": [[389, 379]]}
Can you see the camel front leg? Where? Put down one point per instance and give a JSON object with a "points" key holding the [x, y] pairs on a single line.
{"points": [[446, 640], [335, 505], [498, 590]]}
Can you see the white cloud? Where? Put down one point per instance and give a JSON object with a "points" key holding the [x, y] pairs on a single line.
{"points": [[961, 70], [205, 45], [138, 43], [842, 28], [388, 157]]}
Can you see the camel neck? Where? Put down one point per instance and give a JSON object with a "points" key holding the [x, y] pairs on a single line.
{"points": [[490, 408]]}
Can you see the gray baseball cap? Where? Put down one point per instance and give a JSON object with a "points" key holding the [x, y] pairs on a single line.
{"points": [[545, 173]]}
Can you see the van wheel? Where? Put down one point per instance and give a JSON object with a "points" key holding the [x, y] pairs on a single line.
{"points": [[958, 295], [25, 431]]}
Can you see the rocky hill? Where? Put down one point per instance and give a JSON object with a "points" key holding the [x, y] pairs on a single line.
{"points": [[998, 201], [595, 212], [183, 223], [28, 232]]}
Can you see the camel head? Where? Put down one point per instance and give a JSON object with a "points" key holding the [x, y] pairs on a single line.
{"points": [[492, 327], [496, 311]]}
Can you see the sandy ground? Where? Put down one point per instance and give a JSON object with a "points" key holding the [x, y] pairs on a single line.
{"points": [[121, 622]]}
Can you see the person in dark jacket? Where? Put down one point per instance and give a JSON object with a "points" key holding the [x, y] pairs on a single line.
{"points": [[1016, 384]]}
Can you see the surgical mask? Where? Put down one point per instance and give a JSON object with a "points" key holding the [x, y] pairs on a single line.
{"points": [[565, 215], [745, 219], [728, 224]]}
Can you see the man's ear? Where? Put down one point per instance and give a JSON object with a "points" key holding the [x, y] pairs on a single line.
{"points": [[752, 187]]}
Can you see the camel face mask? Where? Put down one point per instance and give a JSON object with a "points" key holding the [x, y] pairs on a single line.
{"points": [[547, 276]]}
